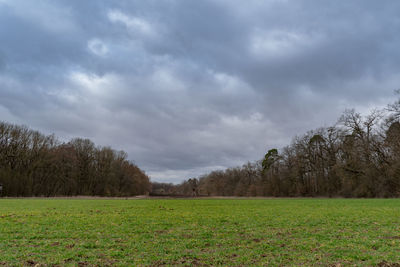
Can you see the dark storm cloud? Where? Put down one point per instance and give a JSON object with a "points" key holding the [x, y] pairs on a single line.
{"points": [[186, 87]]}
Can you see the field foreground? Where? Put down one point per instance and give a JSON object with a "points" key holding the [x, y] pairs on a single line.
{"points": [[234, 232]]}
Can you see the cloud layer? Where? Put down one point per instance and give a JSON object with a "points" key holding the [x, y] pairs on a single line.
{"points": [[186, 87]]}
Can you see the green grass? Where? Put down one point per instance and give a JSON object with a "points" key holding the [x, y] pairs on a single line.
{"points": [[233, 232]]}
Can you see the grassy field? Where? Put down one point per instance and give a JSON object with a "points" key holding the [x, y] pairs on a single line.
{"points": [[273, 232]]}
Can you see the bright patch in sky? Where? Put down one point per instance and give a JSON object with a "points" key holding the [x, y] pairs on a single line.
{"points": [[97, 47], [135, 24]]}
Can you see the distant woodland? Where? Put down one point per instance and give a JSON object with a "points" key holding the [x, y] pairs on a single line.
{"points": [[33, 164], [357, 157]]}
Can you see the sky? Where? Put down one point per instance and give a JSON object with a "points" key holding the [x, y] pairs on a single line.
{"points": [[187, 87]]}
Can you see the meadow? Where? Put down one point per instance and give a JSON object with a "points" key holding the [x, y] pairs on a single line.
{"points": [[199, 232]]}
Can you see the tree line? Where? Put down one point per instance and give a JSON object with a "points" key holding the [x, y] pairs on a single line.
{"points": [[359, 156], [34, 164]]}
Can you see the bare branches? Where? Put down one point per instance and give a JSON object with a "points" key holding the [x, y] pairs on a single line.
{"points": [[358, 157], [33, 164]]}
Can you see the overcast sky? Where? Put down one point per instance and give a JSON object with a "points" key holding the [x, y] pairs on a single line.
{"points": [[186, 87]]}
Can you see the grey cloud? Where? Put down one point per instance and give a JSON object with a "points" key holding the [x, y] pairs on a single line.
{"points": [[188, 86]]}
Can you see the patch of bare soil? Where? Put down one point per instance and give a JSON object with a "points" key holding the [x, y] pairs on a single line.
{"points": [[388, 264]]}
